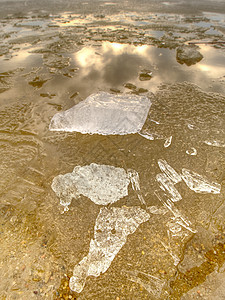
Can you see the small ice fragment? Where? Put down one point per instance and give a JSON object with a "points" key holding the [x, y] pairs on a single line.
{"points": [[169, 171], [103, 184], [168, 142], [112, 227], [148, 136], [190, 126], [135, 181], [215, 143], [191, 151], [166, 184], [199, 184], [156, 122], [104, 113]]}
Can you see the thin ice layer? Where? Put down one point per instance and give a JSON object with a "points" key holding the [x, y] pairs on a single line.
{"points": [[104, 113], [166, 184], [112, 227], [102, 184], [199, 184], [169, 171]]}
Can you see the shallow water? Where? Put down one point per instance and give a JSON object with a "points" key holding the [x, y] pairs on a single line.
{"points": [[49, 63]]}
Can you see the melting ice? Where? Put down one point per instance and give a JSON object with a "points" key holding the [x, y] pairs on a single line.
{"points": [[104, 113], [112, 227]]}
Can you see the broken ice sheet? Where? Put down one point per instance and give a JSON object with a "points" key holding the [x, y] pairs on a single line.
{"points": [[104, 113], [103, 184], [112, 227], [199, 184], [166, 184], [169, 171]]}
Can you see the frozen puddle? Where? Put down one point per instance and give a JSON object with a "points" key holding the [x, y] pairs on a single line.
{"points": [[112, 227], [102, 184], [104, 113]]}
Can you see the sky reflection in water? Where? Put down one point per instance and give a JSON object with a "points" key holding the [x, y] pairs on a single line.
{"points": [[112, 65]]}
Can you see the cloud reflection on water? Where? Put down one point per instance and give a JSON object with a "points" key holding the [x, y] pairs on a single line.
{"points": [[112, 65]]}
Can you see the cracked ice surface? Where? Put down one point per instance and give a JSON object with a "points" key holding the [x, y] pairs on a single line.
{"points": [[199, 184], [102, 184], [166, 184], [112, 227], [169, 171], [105, 114]]}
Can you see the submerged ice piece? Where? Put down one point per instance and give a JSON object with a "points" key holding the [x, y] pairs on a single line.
{"points": [[105, 114], [167, 185], [169, 171], [103, 184], [168, 179], [199, 184], [111, 229]]}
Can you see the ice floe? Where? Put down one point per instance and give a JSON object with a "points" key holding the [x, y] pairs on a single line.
{"points": [[112, 227], [104, 113]]}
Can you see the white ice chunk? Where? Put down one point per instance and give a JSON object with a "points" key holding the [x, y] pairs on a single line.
{"points": [[169, 171], [166, 184], [112, 227], [191, 151], [103, 184], [215, 143], [147, 136], [105, 114], [168, 142], [190, 126], [199, 184]]}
